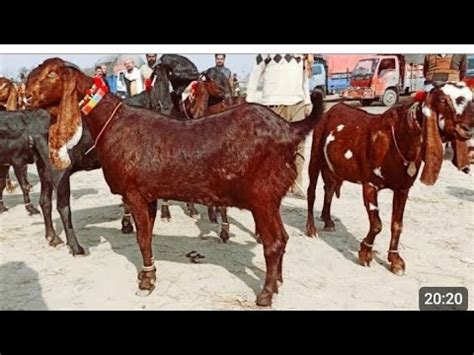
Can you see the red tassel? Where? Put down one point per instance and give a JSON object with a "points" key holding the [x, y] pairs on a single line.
{"points": [[420, 96]]}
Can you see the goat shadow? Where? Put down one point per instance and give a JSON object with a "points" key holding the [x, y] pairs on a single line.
{"points": [[235, 258], [206, 227], [341, 240], [12, 201], [20, 288], [461, 193]]}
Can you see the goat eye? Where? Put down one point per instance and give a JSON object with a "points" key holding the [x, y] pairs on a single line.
{"points": [[460, 100], [52, 74]]}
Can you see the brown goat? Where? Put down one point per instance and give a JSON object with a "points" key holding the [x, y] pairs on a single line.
{"points": [[9, 101], [8, 95], [195, 105], [248, 164], [386, 151]]}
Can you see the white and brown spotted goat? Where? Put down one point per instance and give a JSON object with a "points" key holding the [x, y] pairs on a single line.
{"points": [[386, 151]]}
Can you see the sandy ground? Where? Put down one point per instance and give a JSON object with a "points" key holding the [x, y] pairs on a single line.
{"points": [[437, 244]]}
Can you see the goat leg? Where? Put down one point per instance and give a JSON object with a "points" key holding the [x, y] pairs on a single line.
{"points": [[192, 211], [11, 187], [46, 204], [371, 205], [165, 211], [211, 212], [3, 183], [225, 225], [127, 226], [397, 265], [20, 173], [329, 190], [64, 209]]}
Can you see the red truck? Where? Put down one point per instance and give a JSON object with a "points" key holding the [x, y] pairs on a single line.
{"points": [[384, 78]]}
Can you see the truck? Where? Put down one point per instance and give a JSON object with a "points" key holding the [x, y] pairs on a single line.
{"points": [[384, 78], [469, 77], [331, 72], [319, 75]]}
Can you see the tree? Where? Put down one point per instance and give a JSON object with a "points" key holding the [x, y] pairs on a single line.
{"points": [[23, 71]]}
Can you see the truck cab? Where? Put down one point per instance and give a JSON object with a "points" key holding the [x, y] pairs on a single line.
{"points": [[375, 78], [469, 78], [318, 78], [338, 82]]}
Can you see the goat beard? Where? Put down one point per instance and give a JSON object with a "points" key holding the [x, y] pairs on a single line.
{"points": [[433, 156]]}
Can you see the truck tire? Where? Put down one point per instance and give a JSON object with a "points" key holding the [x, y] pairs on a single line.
{"points": [[390, 97], [366, 102]]}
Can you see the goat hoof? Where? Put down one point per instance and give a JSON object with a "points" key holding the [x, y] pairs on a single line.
{"points": [[146, 283], [264, 299], [311, 232], [224, 236], [397, 265], [127, 228], [32, 210], [77, 251], [194, 215], [3, 209], [54, 240], [329, 227], [399, 271], [365, 257], [192, 211], [165, 213]]}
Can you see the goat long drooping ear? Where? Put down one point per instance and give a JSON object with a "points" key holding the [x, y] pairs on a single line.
{"points": [[67, 130], [432, 143], [12, 102]]}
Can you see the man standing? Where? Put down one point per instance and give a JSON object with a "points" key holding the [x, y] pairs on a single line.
{"points": [[286, 91], [444, 67], [220, 60], [146, 70], [133, 78]]}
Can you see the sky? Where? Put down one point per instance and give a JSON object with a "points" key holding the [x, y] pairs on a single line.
{"points": [[11, 63]]}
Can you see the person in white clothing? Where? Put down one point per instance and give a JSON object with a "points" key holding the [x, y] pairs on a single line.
{"points": [[285, 89], [133, 77]]}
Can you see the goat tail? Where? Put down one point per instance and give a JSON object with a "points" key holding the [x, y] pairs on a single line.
{"points": [[302, 128]]}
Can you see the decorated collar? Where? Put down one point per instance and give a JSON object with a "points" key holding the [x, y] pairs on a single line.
{"points": [[93, 95]]}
